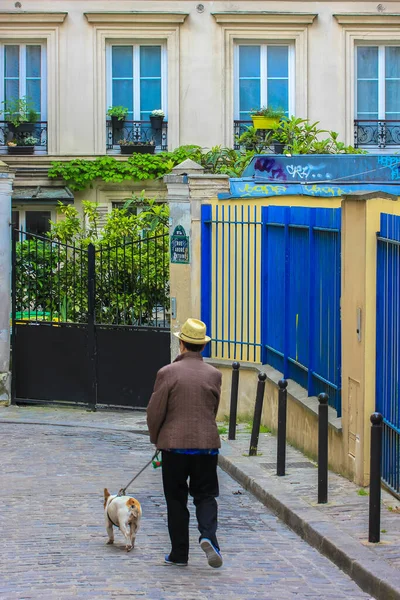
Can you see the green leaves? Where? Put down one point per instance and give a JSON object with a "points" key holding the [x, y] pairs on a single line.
{"points": [[80, 174]]}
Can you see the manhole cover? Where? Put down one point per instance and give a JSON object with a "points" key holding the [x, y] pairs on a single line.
{"points": [[290, 465]]}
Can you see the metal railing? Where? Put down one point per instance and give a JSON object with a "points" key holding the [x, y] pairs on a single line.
{"points": [[8, 133], [379, 133], [271, 291], [388, 346], [136, 131]]}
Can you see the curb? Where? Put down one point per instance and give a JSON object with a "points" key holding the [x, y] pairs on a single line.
{"points": [[371, 573]]}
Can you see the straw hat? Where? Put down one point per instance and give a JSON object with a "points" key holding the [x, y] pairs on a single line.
{"points": [[193, 332]]}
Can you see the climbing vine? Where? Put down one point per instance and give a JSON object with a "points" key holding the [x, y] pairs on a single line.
{"points": [[80, 174]]}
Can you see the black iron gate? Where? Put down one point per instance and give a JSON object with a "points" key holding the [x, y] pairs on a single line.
{"points": [[89, 324]]}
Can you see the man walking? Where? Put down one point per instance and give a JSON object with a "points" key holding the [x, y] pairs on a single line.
{"points": [[181, 421]]}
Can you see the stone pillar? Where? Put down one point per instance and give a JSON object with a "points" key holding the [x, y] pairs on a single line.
{"points": [[6, 180], [360, 223], [188, 187]]}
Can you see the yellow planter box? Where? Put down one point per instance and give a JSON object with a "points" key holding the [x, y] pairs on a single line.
{"points": [[265, 122]]}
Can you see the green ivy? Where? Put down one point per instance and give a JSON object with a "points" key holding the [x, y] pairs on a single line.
{"points": [[79, 174]]}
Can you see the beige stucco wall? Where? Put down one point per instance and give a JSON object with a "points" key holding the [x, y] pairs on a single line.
{"points": [[201, 96]]}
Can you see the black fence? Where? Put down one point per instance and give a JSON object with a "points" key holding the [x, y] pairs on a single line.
{"points": [[378, 133], [18, 141], [90, 324], [136, 131]]}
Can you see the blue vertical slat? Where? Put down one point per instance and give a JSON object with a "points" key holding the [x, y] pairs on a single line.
{"points": [[229, 279], [255, 284], [287, 292], [248, 282], [264, 283], [242, 282], [311, 302], [216, 277], [223, 278], [206, 288]]}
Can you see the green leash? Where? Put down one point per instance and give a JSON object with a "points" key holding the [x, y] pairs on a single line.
{"points": [[155, 461]]}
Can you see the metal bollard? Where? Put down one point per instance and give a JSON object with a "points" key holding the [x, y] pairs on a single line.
{"points": [[257, 414], [375, 479], [281, 449], [323, 449], [234, 401]]}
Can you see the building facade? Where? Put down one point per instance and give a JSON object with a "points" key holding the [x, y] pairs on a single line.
{"points": [[206, 65]]}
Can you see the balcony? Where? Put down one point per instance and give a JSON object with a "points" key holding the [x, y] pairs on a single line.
{"points": [[136, 131], [239, 127], [376, 133], [37, 130]]}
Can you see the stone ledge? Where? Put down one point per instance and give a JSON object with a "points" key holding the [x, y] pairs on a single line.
{"points": [[297, 393]]}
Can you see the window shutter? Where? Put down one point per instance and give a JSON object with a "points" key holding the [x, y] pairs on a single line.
{"points": [[102, 210]]}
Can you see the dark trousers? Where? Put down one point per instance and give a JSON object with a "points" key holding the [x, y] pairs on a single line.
{"points": [[201, 470]]}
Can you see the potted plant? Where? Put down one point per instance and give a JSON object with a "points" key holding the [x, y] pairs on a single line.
{"points": [[129, 147], [118, 116], [20, 115], [156, 119], [266, 117], [22, 146]]}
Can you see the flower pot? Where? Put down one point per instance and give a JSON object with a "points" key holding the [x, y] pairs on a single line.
{"points": [[117, 124], [16, 150], [21, 128], [139, 148], [279, 147], [265, 122], [156, 123]]}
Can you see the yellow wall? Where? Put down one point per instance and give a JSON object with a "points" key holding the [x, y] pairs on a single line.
{"points": [[360, 223]]}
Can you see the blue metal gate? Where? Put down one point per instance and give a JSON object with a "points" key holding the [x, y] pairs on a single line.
{"points": [[388, 346]]}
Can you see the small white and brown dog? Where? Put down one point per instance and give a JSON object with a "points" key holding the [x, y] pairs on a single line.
{"points": [[125, 513]]}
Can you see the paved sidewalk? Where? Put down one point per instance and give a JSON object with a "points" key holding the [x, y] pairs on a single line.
{"points": [[53, 538], [339, 529]]}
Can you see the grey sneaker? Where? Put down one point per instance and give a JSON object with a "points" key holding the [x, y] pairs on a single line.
{"points": [[214, 557]]}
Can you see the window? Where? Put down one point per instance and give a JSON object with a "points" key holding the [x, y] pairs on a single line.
{"points": [[378, 82], [32, 221], [262, 78], [23, 70], [137, 79]]}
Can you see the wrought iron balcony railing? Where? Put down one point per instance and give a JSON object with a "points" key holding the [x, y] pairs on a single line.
{"points": [[239, 127], [20, 135], [136, 131], [378, 133]]}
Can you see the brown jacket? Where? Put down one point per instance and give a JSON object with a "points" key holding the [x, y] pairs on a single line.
{"points": [[182, 409]]}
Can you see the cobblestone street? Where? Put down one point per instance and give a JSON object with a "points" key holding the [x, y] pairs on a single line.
{"points": [[54, 542]]}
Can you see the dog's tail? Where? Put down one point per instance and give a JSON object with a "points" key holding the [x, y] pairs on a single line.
{"points": [[106, 496]]}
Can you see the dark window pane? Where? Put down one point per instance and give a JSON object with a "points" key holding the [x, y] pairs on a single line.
{"points": [[367, 62], [15, 224], [367, 99], [249, 61], [37, 221], [33, 66], [11, 61], [122, 61], [249, 94], [122, 94], [278, 61], [150, 61], [392, 97], [392, 61], [150, 95], [278, 94]]}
